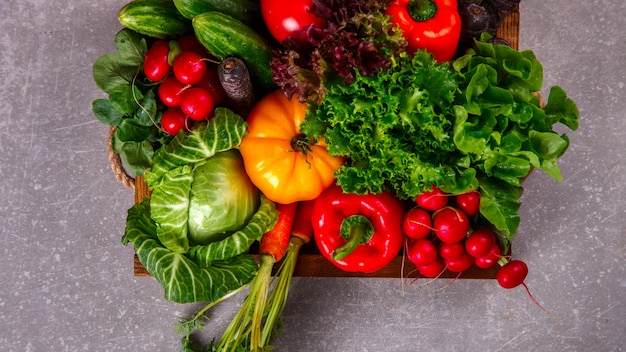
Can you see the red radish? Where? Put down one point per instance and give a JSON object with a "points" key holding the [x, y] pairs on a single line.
{"points": [[451, 250], [189, 67], [432, 200], [191, 43], [490, 259], [422, 252], [196, 103], [460, 264], [450, 224], [417, 223], [211, 83], [170, 91], [173, 121], [155, 65], [469, 202], [480, 242], [513, 274], [434, 269]]}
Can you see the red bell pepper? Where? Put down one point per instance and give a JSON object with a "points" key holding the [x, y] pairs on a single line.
{"points": [[433, 25], [358, 233]]}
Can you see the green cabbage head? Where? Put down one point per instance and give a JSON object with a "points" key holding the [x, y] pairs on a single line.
{"points": [[222, 198]]}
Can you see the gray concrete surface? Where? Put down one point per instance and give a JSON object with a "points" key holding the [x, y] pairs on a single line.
{"points": [[67, 282]]}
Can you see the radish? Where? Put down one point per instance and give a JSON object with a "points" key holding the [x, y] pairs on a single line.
{"points": [[451, 250], [155, 65], [196, 103], [460, 264], [432, 200], [191, 43], [480, 242], [490, 259], [513, 274], [422, 252], [450, 224], [417, 223], [173, 121], [211, 83], [469, 202], [189, 67], [170, 91], [433, 269]]}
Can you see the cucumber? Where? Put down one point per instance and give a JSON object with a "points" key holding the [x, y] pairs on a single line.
{"points": [[154, 18], [224, 36], [247, 11]]}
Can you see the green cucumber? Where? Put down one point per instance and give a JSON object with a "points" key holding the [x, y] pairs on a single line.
{"points": [[224, 36], [154, 18], [247, 11]]}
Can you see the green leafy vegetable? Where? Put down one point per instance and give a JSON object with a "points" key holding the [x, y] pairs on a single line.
{"points": [[396, 128], [222, 198], [223, 131], [183, 279], [170, 208], [475, 122], [204, 202], [120, 68], [192, 234], [262, 221], [131, 105], [499, 203]]}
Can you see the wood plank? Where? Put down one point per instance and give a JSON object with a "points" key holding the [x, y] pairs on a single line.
{"points": [[312, 264]]}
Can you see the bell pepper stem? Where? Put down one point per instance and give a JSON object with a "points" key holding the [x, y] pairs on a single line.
{"points": [[357, 230], [422, 10]]}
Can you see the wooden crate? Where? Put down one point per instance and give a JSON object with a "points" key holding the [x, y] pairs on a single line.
{"points": [[312, 264]]}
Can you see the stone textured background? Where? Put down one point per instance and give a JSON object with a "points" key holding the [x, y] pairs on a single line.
{"points": [[67, 282]]}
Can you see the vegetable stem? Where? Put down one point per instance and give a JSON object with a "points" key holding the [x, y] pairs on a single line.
{"points": [[278, 298], [262, 283], [422, 10], [356, 229]]}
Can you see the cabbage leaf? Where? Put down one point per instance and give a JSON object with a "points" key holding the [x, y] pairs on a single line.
{"points": [[223, 132], [169, 206], [264, 219], [183, 279]]}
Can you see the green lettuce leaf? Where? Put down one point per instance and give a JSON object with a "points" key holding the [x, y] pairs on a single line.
{"points": [[183, 280], [499, 205], [562, 109], [395, 128]]}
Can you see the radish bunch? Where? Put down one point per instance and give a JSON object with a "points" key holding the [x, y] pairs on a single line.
{"points": [[441, 235], [188, 84]]}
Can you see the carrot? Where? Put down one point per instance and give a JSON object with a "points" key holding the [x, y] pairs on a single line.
{"points": [[246, 327], [302, 226], [301, 233], [275, 241]]}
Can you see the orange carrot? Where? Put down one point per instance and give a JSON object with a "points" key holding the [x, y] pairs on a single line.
{"points": [[275, 241], [302, 226]]}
